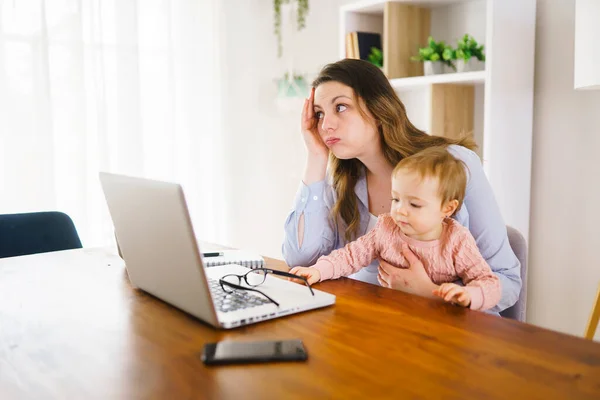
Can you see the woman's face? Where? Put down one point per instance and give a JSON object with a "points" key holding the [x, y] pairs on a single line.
{"points": [[341, 124]]}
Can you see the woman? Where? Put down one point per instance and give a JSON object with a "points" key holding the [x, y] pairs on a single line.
{"points": [[354, 121]]}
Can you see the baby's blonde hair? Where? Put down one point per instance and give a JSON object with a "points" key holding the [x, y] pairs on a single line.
{"points": [[436, 162]]}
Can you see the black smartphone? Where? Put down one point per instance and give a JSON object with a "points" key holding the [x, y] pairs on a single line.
{"points": [[233, 352]]}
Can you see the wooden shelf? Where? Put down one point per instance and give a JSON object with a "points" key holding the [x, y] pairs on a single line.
{"points": [[377, 6], [464, 78]]}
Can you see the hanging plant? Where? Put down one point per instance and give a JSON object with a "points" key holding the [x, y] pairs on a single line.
{"points": [[300, 18]]}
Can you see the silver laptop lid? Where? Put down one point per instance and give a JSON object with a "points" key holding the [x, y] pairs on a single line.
{"points": [[156, 238]]}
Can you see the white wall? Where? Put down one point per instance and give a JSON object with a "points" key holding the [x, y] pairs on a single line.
{"points": [[267, 154], [565, 214]]}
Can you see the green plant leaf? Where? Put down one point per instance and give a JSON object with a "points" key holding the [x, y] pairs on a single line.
{"points": [[376, 57], [431, 42], [468, 47], [448, 54]]}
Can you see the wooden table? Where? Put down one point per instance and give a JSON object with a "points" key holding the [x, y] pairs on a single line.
{"points": [[71, 327]]}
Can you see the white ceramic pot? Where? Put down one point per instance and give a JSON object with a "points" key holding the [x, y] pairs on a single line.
{"points": [[468, 66], [433, 68]]}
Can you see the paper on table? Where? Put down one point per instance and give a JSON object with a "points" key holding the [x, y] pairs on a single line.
{"points": [[240, 257]]}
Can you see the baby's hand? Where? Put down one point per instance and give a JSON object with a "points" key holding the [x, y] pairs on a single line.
{"points": [[453, 293], [311, 274]]}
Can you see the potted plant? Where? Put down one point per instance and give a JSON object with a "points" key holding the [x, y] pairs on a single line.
{"points": [[292, 85], [301, 12], [469, 55], [376, 57], [436, 57]]}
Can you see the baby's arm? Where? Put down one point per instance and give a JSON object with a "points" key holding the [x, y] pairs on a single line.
{"points": [[482, 285], [347, 260]]}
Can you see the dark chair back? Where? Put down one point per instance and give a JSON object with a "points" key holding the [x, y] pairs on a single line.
{"points": [[38, 232]]}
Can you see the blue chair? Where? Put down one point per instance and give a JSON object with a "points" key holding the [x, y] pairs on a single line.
{"points": [[38, 232], [519, 246]]}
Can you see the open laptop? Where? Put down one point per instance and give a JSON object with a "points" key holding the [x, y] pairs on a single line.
{"points": [[162, 257]]}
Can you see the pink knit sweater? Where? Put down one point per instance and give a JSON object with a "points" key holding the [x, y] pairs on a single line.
{"points": [[453, 256]]}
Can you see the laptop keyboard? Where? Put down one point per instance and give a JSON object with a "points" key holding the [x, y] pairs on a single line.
{"points": [[238, 300]]}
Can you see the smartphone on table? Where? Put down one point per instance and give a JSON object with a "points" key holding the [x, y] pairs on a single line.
{"points": [[239, 352]]}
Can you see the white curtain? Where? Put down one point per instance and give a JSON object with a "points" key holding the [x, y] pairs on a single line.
{"points": [[123, 86]]}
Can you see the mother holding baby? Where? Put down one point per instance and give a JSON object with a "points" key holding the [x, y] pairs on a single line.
{"points": [[356, 130]]}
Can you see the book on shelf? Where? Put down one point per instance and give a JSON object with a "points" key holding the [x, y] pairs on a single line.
{"points": [[358, 44], [349, 45], [240, 257]]}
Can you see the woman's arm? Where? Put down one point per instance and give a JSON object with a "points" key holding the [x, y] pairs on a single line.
{"points": [[309, 232], [481, 214], [302, 247], [315, 171]]}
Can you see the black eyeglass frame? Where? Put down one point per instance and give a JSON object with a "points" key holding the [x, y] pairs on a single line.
{"points": [[251, 287]]}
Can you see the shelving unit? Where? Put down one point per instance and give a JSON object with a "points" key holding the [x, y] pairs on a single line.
{"points": [[495, 105], [473, 78]]}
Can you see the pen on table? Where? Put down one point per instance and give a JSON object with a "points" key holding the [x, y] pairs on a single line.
{"points": [[213, 254]]}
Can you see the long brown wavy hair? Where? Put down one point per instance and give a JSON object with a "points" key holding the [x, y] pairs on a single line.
{"points": [[399, 137]]}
